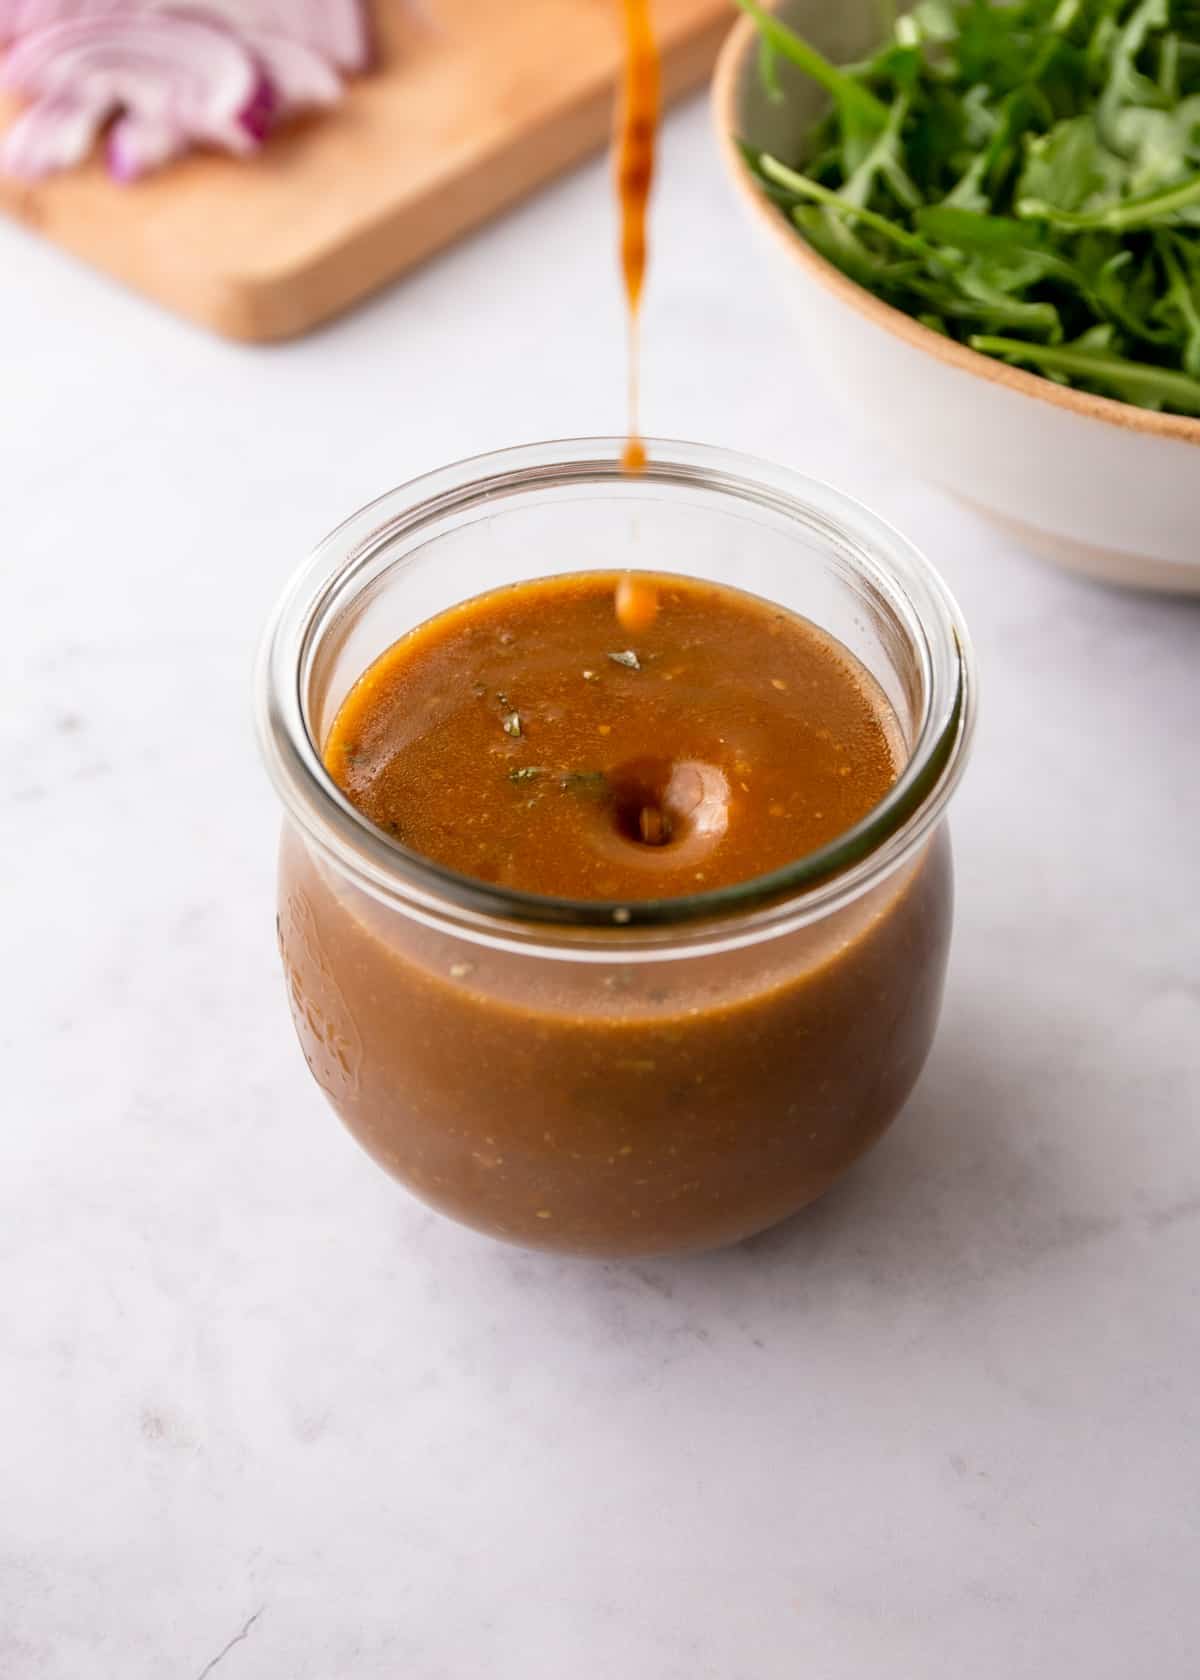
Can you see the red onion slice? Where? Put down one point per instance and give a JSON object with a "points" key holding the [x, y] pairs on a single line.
{"points": [[164, 69], [170, 71], [56, 133], [336, 29], [27, 17], [136, 145], [300, 78]]}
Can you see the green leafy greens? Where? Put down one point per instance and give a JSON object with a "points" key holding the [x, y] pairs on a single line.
{"points": [[1020, 175]]}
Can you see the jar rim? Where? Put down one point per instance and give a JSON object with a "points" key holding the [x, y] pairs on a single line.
{"points": [[801, 891]]}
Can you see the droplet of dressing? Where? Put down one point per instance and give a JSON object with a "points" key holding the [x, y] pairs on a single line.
{"points": [[637, 603]]}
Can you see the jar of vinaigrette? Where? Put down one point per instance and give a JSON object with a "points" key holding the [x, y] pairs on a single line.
{"points": [[615, 888]]}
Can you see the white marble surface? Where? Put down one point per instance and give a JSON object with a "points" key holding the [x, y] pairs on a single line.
{"points": [[943, 1426]]}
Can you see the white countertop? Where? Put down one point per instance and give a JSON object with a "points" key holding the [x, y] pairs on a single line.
{"points": [[944, 1426]]}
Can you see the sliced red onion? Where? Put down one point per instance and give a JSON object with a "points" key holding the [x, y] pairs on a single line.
{"points": [[136, 145], [163, 69], [299, 77], [26, 17], [336, 29], [347, 29], [56, 133], [254, 118], [170, 72], [297, 68]]}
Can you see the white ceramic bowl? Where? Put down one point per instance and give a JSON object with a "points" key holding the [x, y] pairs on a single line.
{"points": [[1098, 485]]}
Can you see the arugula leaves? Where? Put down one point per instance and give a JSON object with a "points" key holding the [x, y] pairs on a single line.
{"points": [[1021, 175]]}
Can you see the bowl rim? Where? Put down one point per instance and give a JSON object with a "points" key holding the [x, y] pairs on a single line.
{"points": [[1110, 411]]}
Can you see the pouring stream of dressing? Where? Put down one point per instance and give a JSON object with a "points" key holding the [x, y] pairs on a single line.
{"points": [[637, 124]]}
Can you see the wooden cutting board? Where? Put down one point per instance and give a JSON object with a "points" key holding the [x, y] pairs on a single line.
{"points": [[474, 103]]}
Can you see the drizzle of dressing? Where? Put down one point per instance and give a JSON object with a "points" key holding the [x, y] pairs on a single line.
{"points": [[637, 603], [637, 124], [636, 132]]}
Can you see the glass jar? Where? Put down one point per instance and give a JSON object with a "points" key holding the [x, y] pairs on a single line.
{"points": [[616, 1079]]}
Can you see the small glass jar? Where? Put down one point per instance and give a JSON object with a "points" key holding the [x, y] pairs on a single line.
{"points": [[616, 1079]]}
